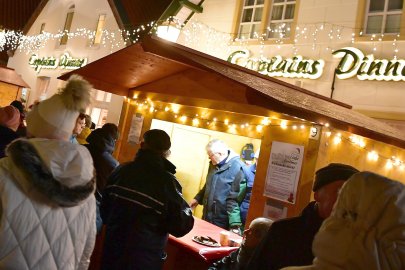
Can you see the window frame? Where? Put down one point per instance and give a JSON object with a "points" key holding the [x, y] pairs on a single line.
{"points": [[265, 22], [361, 24], [384, 14], [67, 26], [100, 26]]}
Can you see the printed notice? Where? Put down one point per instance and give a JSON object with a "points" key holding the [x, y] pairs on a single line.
{"points": [[283, 172], [136, 128]]}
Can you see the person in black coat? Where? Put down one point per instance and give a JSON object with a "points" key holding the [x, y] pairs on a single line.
{"points": [[141, 205], [9, 122], [289, 241], [101, 145]]}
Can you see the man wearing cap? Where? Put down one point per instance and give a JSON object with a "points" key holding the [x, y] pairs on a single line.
{"points": [[289, 241], [141, 205]]}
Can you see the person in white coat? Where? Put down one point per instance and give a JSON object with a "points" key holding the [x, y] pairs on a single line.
{"points": [[47, 207], [366, 229]]}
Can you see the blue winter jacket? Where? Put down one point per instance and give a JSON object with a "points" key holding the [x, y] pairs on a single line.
{"points": [[217, 187]]}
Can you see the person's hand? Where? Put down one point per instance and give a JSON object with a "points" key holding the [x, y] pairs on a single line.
{"points": [[236, 229], [193, 203]]}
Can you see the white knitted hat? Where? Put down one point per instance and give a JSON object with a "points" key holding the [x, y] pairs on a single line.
{"points": [[55, 118]]}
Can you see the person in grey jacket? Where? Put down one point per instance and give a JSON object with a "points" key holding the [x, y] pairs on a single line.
{"points": [[225, 169]]}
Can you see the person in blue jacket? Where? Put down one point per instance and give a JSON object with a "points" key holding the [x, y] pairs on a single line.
{"points": [[225, 170]]}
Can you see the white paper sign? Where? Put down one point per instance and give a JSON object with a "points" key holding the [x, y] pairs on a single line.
{"points": [[136, 128], [283, 171]]}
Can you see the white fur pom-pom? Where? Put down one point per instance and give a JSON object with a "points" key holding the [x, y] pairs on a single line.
{"points": [[76, 93]]}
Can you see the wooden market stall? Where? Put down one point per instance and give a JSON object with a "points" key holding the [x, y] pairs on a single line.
{"points": [[167, 75], [11, 85], [185, 90]]}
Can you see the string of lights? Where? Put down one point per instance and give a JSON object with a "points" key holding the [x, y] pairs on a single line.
{"points": [[235, 127], [195, 32]]}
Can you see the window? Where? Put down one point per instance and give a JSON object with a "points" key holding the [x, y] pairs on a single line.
{"points": [[251, 17], [383, 16], [99, 29], [42, 29], [68, 24], [273, 18], [281, 18]]}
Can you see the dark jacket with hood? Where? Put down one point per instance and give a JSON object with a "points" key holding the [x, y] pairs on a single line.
{"points": [[288, 242], [47, 207], [141, 205], [213, 196], [7, 135], [101, 145]]}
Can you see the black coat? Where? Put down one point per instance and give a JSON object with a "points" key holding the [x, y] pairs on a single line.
{"points": [[141, 205], [7, 135], [101, 146], [288, 242]]}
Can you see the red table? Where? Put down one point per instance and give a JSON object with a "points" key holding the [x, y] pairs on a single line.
{"points": [[184, 253]]}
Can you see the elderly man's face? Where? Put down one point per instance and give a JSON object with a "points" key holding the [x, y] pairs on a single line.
{"points": [[326, 197], [216, 157]]}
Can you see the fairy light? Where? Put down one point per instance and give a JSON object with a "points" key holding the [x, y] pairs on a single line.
{"points": [[196, 122], [337, 139], [389, 164], [372, 155], [283, 124], [183, 118]]}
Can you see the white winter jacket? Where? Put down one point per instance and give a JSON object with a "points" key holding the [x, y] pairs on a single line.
{"points": [[366, 229], [47, 207]]}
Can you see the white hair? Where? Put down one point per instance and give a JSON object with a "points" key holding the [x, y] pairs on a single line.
{"points": [[217, 146]]}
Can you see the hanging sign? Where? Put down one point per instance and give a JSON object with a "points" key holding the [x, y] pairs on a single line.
{"points": [[65, 61], [277, 66], [354, 63], [284, 171]]}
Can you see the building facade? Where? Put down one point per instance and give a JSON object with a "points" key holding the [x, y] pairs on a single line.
{"points": [[67, 35], [351, 51]]}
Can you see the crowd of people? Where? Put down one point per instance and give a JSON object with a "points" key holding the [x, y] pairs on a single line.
{"points": [[60, 183]]}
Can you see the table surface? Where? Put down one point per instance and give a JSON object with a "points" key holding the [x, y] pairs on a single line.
{"points": [[204, 228]]}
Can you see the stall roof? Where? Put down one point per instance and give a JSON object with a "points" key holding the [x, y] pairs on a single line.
{"points": [[8, 75], [154, 59]]}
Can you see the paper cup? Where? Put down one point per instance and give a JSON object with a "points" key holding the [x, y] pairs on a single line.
{"points": [[224, 238]]}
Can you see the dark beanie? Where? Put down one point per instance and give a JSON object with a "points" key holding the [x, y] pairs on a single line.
{"points": [[157, 140], [331, 173]]}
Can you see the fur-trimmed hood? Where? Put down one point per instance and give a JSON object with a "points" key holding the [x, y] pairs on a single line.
{"points": [[61, 171]]}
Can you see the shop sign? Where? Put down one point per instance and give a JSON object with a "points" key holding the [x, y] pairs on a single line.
{"points": [[277, 66], [65, 61], [354, 63]]}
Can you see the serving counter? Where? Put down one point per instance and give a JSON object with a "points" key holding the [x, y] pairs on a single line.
{"points": [[184, 253]]}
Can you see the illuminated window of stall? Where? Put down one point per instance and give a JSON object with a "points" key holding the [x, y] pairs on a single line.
{"points": [[68, 24]]}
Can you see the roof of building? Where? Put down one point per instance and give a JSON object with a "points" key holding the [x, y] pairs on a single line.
{"points": [[8, 75], [154, 59]]}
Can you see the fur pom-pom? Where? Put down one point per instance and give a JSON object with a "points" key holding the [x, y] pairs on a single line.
{"points": [[76, 93]]}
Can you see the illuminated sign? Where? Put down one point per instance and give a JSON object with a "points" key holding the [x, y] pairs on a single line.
{"points": [[65, 61], [354, 63], [277, 66]]}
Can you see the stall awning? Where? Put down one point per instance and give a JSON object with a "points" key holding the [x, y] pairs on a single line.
{"points": [[154, 59], [8, 75]]}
